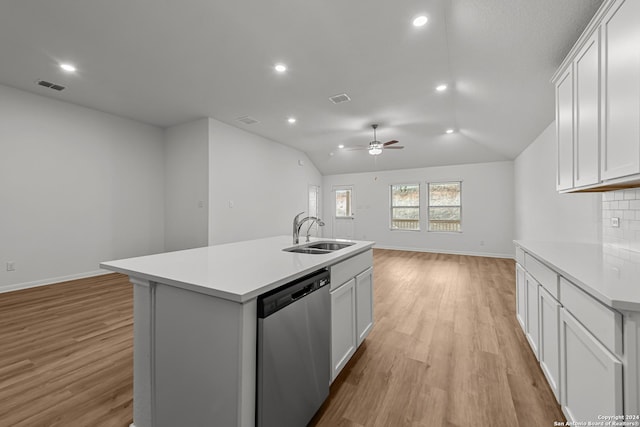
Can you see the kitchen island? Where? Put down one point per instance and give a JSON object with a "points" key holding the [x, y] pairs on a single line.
{"points": [[195, 325]]}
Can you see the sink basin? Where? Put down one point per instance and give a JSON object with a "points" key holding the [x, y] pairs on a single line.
{"points": [[307, 251], [319, 248], [330, 246]]}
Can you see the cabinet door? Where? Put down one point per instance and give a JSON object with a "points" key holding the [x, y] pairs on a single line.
{"points": [[521, 297], [586, 168], [591, 375], [621, 90], [343, 326], [364, 304], [564, 129], [549, 323], [531, 321]]}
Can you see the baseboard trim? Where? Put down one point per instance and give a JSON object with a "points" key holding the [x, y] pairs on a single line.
{"points": [[51, 281], [441, 251]]}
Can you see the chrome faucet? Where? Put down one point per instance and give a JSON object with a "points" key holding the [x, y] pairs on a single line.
{"points": [[297, 225]]}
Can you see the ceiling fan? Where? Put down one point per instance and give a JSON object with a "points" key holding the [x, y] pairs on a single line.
{"points": [[376, 147]]}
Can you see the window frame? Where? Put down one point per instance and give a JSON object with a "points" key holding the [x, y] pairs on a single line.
{"points": [[392, 206], [336, 189], [450, 181]]}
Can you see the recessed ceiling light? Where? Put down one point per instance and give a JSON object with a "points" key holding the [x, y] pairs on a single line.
{"points": [[420, 21], [449, 131], [441, 88], [69, 68], [341, 146], [281, 68], [291, 119]]}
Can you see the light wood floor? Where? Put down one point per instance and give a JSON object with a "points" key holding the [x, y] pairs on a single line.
{"points": [[446, 350], [66, 354]]}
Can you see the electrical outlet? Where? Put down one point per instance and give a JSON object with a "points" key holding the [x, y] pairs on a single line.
{"points": [[11, 266], [615, 222]]}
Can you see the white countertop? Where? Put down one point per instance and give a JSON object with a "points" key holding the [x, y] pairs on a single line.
{"points": [[235, 271], [610, 274]]}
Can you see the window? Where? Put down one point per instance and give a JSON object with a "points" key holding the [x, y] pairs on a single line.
{"points": [[343, 203], [314, 206], [405, 207], [445, 207]]}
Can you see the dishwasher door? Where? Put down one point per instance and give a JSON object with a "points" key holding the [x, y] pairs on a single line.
{"points": [[293, 371]]}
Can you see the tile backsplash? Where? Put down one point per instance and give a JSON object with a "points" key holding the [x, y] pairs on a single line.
{"points": [[624, 205]]}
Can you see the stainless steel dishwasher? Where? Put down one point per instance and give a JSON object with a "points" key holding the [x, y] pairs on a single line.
{"points": [[294, 339]]}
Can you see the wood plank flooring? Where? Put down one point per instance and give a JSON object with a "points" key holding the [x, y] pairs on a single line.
{"points": [[66, 354], [446, 350]]}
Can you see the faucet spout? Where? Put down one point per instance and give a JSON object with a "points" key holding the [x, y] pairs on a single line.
{"points": [[296, 229], [312, 220]]}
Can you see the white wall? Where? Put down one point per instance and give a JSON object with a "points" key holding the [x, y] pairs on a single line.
{"points": [[77, 187], [260, 179], [187, 185], [487, 208], [541, 212]]}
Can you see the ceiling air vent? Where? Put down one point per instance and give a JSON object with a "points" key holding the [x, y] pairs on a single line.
{"points": [[337, 99], [247, 120], [50, 85]]}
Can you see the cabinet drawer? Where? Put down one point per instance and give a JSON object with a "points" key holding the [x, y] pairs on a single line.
{"points": [[519, 255], [543, 274], [604, 323], [350, 268]]}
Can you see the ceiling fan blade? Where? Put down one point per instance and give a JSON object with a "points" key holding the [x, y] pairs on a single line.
{"points": [[393, 141], [397, 147]]}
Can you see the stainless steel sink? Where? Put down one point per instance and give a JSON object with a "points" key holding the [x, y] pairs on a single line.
{"points": [[319, 248], [307, 251], [330, 246]]}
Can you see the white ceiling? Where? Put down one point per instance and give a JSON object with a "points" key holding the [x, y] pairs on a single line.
{"points": [[165, 62]]}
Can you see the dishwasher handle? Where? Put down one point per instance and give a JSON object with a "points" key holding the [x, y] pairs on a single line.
{"points": [[302, 292]]}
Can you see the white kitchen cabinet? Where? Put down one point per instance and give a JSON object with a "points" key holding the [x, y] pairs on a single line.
{"points": [[598, 103], [531, 320], [621, 89], [549, 350], [564, 129], [592, 376], [364, 304], [343, 326], [521, 295], [586, 166]]}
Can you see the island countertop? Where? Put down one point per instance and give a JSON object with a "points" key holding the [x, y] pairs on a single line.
{"points": [[611, 275], [238, 271]]}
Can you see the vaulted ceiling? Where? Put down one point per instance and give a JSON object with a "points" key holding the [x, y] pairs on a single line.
{"points": [[167, 62]]}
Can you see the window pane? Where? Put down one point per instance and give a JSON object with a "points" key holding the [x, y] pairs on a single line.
{"points": [[405, 218], [343, 202], [444, 219], [405, 195], [444, 194]]}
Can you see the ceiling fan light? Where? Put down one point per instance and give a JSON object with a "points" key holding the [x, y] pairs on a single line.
{"points": [[375, 148]]}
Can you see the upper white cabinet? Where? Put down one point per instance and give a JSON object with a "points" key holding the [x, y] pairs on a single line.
{"points": [[621, 90], [598, 103], [564, 129], [587, 113]]}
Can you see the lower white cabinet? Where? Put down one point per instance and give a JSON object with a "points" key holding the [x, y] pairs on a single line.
{"points": [[364, 304], [343, 326], [549, 344], [592, 375], [531, 320], [521, 294]]}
